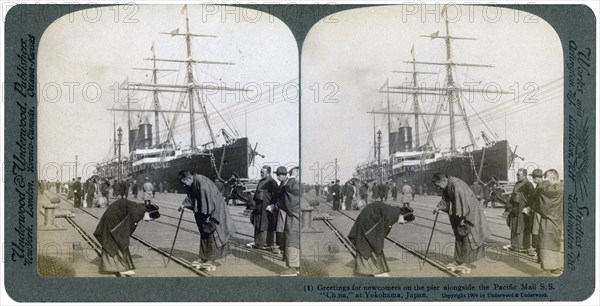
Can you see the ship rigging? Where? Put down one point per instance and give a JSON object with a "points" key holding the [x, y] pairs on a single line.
{"points": [[160, 159], [417, 163]]}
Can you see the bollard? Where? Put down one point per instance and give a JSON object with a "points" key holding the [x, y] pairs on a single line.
{"points": [[49, 212], [307, 218]]}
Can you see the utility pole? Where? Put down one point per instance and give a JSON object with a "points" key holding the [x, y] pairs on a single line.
{"points": [[75, 166], [335, 169]]}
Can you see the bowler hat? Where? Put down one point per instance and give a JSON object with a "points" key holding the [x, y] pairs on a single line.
{"points": [[152, 210], [281, 170], [537, 173]]}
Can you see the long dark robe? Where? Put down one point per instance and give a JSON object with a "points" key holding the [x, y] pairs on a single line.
{"points": [[375, 190], [459, 201], [288, 201], [547, 200], [77, 194], [113, 232], [368, 234], [520, 224], [208, 203], [263, 197]]}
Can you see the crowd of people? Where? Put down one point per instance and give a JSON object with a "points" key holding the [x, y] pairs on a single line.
{"points": [[276, 216], [95, 191], [535, 218], [354, 194], [533, 213]]}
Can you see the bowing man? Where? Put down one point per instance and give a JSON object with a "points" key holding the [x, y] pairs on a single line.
{"points": [[113, 231], [368, 234]]}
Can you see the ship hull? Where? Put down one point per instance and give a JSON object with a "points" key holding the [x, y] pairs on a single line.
{"points": [[496, 165], [236, 160]]}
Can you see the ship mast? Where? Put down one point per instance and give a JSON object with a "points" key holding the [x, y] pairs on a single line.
{"points": [[191, 88], [156, 102], [190, 81], [450, 84], [155, 97], [451, 91], [416, 109]]}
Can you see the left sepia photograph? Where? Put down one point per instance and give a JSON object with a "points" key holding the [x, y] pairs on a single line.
{"points": [[168, 143]]}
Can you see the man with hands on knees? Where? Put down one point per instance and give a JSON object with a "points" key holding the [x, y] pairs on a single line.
{"points": [[212, 218], [467, 219]]}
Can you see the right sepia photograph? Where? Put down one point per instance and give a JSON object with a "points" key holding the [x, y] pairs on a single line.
{"points": [[432, 143]]}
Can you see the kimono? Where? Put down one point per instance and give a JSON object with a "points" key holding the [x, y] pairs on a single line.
{"points": [[288, 201], [468, 222], [113, 232], [263, 220], [368, 234], [547, 200], [520, 224], [212, 218]]}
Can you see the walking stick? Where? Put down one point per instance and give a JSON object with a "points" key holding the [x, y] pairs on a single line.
{"points": [[175, 239], [429, 243]]}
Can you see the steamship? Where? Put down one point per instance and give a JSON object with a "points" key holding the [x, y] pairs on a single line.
{"points": [[160, 160], [415, 162]]}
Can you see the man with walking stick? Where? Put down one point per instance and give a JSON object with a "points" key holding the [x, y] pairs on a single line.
{"points": [[468, 222], [212, 218], [430, 236]]}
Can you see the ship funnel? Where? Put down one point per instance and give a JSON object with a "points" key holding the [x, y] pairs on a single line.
{"points": [[144, 138], [405, 138]]}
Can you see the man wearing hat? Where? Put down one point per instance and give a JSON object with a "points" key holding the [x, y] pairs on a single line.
{"points": [[349, 193], [406, 194], [383, 192], [147, 189], [77, 194], [134, 189], [288, 201], [520, 224], [537, 176], [336, 191], [281, 174]]}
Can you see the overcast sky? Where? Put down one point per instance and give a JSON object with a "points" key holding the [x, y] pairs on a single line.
{"points": [[96, 49], [350, 60]]}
